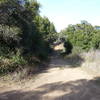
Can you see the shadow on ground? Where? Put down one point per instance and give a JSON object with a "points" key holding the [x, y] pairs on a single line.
{"points": [[73, 90]]}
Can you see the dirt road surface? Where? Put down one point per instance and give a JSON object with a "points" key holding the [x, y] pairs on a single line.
{"points": [[59, 82]]}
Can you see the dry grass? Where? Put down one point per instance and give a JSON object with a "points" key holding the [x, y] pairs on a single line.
{"points": [[92, 62]]}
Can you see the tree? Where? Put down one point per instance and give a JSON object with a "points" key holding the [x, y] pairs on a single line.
{"points": [[46, 29], [83, 35], [68, 47], [23, 33]]}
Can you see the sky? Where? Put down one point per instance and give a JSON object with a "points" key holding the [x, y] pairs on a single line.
{"points": [[65, 12]]}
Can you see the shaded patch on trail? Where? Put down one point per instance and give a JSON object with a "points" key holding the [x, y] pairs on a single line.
{"points": [[73, 90]]}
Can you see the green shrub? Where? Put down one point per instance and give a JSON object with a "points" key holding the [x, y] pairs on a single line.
{"points": [[83, 36], [68, 47], [95, 43], [8, 65], [23, 37]]}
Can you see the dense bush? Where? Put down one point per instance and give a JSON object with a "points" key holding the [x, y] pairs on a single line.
{"points": [[95, 43], [83, 36], [24, 34], [68, 47], [9, 65]]}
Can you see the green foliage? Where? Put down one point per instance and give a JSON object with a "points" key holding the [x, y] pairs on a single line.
{"points": [[95, 43], [46, 29], [18, 59], [9, 65], [68, 47], [23, 34], [83, 36]]}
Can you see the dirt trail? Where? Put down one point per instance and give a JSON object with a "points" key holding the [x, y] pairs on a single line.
{"points": [[59, 82]]}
